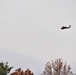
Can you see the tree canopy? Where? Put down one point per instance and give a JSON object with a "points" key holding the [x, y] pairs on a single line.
{"points": [[57, 67], [4, 68]]}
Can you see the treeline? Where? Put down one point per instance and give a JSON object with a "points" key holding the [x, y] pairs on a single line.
{"points": [[56, 67]]}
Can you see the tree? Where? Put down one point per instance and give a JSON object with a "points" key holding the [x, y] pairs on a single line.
{"points": [[57, 67], [4, 68], [19, 71]]}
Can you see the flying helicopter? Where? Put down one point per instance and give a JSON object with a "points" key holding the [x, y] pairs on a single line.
{"points": [[65, 27]]}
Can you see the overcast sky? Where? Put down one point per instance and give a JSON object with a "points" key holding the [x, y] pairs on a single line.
{"points": [[32, 28]]}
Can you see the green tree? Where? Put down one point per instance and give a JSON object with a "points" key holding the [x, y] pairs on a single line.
{"points": [[4, 68]]}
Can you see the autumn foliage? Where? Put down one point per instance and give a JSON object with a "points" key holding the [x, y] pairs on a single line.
{"points": [[57, 67], [21, 72]]}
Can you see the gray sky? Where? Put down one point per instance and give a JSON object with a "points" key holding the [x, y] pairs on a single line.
{"points": [[32, 28], [18, 60]]}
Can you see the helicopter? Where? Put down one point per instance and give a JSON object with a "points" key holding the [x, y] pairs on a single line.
{"points": [[65, 27]]}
